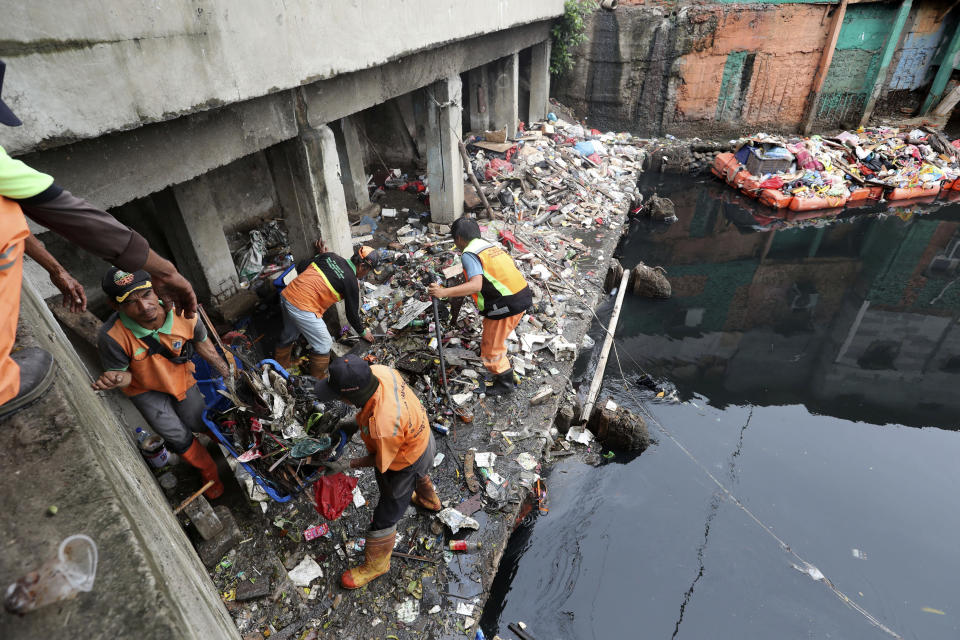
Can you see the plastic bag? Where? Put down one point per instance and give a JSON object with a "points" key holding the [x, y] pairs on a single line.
{"points": [[332, 494]]}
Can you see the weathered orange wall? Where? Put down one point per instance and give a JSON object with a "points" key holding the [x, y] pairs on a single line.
{"points": [[787, 39]]}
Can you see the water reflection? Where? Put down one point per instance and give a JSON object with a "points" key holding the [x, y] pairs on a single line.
{"points": [[852, 313]]}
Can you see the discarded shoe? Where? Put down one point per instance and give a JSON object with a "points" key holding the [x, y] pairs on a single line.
{"points": [[37, 371]]}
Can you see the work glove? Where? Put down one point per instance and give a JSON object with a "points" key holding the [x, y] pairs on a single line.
{"points": [[337, 466]]}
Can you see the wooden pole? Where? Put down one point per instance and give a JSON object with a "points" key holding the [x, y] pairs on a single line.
{"points": [[891, 45], [473, 179], [227, 354], [605, 351], [943, 74], [192, 497], [825, 59]]}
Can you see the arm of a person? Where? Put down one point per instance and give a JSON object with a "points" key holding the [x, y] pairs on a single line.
{"points": [[92, 229], [351, 301], [102, 235], [471, 286], [116, 361], [74, 297], [207, 351]]}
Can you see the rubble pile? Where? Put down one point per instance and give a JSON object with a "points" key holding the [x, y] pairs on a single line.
{"points": [[803, 174], [559, 194]]}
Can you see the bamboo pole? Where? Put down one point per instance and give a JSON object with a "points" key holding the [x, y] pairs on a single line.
{"points": [[826, 57], [605, 351], [473, 179]]}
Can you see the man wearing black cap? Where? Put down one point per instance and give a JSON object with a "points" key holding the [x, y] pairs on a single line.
{"points": [[27, 374], [394, 427], [146, 349], [327, 280]]}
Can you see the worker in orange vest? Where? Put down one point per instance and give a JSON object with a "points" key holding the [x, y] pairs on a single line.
{"points": [[327, 280], [396, 432], [27, 374], [500, 292], [146, 349]]}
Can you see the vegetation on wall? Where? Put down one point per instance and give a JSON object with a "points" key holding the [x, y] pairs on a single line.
{"points": [[568, 32]]}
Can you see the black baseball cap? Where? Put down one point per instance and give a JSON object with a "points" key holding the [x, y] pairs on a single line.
{"points": [[119, 284], [348, 375], [6, 114], [369, 255]]}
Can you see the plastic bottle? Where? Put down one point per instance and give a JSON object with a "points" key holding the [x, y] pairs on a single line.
{"points": [[152, 448], [464, 545]]}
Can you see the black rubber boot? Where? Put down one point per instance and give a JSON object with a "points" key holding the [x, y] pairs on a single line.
{"points": [[36, 375], [504, 384]]}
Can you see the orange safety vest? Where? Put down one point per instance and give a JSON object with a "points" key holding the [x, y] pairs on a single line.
{"points": [[155, 372], [393, 423], [13, 232], [504, 291], [311, 291]]}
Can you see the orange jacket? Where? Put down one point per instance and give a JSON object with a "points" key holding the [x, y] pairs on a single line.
{"points": [[154, 372], [393, 424]]}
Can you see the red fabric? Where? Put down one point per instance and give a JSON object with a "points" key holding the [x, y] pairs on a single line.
{"points": [[508, 237], [497, 166], [774, 182], [332, 494], [956, 143], [416, 186]]}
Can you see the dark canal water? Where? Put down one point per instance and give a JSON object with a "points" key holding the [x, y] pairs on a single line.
{"points": [[816, 370]]}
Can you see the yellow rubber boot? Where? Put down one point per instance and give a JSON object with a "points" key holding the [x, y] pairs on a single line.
{"points": [[319, 363], [282, 356], [425, 497], [377, 559]]}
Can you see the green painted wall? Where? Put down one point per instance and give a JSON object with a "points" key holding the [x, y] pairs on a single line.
{"points": [[856, 61]]}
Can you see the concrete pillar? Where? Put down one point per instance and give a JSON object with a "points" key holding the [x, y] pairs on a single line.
{"points": [[444, 120], [478, 98], [198, 243], [306, 174], [354, 175], [504, 93], [539, 81]]}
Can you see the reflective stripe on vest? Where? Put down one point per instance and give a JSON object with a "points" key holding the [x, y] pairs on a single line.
{"points": [[327, 282], [498, 270]]}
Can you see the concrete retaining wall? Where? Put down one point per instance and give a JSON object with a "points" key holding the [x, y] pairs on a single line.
{"points": [[69, 450]]}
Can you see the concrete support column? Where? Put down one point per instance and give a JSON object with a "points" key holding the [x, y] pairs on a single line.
{"points": [[306, 174], [444, 120], [198, 243], [478, 97], [504, 93], [354, 175], [539, 81]]}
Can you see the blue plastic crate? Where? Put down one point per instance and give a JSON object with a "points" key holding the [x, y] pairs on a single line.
{"points": [[276, 493]]}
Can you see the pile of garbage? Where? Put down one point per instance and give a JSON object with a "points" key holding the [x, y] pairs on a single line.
{"points": [[851, 168], [281, 434], [557, 205]]}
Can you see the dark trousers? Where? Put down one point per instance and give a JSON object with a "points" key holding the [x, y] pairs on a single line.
{"points": [[396, 488]]}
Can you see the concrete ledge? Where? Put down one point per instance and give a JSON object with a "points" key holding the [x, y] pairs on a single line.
{"points": [[69, 450]]}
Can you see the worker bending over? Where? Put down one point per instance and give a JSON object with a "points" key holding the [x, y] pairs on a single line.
{"points": [[395, 429], [146, 350], [500, 292], [27, 374], [327, 280]]}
